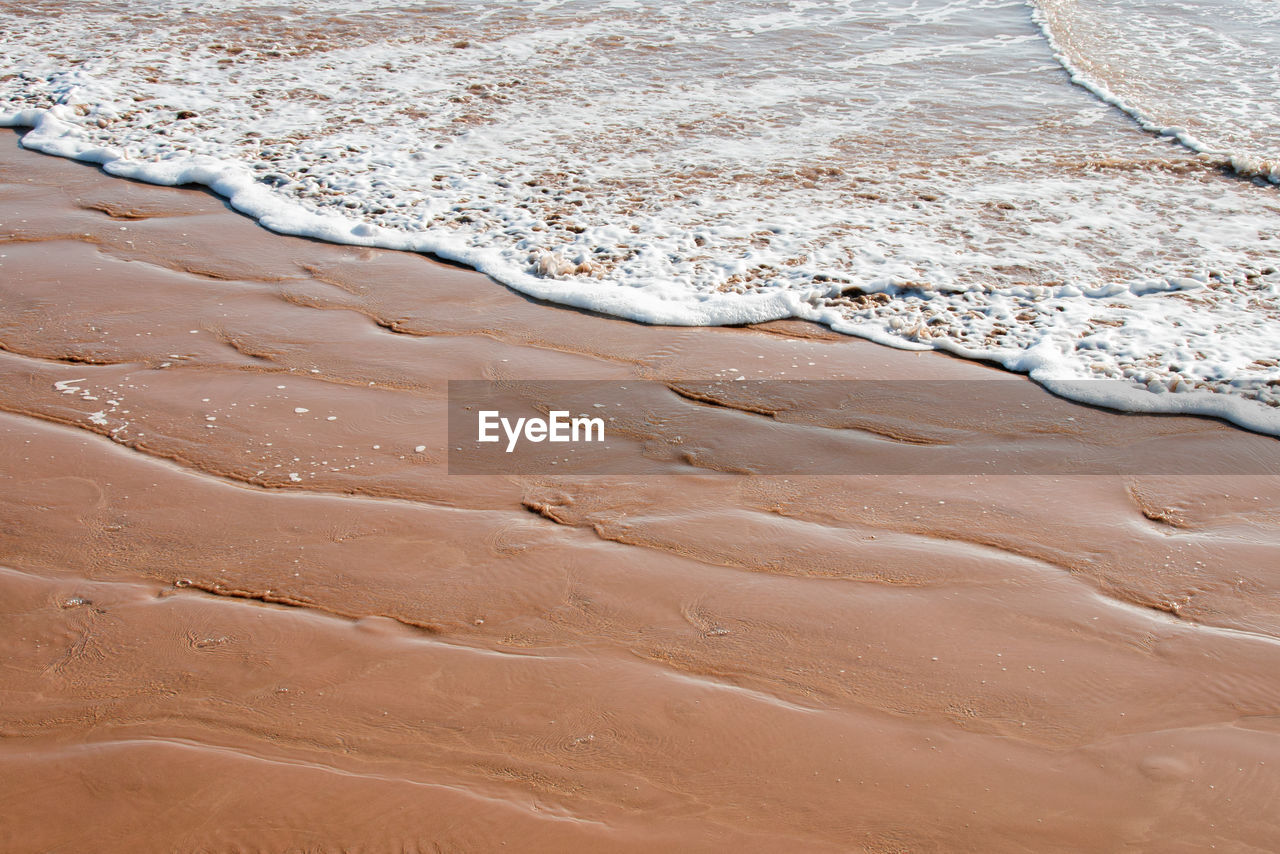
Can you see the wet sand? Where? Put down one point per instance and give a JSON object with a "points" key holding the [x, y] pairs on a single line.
{"points": [[230, 625]]}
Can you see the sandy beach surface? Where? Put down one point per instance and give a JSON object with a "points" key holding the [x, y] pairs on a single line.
{"points": [[247, 608]]}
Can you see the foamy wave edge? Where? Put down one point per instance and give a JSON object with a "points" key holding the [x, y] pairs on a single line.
{"points": [[1041, 363], [1245, 165]]}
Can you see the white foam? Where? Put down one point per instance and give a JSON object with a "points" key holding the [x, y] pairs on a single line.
{"points": [[1204, 72], [914, 173]]}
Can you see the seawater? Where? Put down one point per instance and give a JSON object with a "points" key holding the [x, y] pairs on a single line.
{"points": [[1075, 190]]}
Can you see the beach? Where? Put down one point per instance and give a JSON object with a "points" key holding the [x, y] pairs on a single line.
{"points": [[248, 608]]}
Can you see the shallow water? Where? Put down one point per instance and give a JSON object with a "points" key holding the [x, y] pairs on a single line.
{"points": [[923, 174]]}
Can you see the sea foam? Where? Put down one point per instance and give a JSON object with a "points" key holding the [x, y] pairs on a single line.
{"points": [[922, 174]]}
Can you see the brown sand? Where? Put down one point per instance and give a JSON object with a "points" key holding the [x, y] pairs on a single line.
{"points": [[202, 653]]}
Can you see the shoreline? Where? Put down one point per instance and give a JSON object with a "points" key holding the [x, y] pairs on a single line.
{"points": [[205, 652], [242, 194]]}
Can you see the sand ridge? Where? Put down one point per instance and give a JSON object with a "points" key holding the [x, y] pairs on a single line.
{"points": [[229, 623]]}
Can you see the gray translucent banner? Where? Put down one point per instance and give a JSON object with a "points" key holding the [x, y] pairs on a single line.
{"points": [[778, 427]]}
